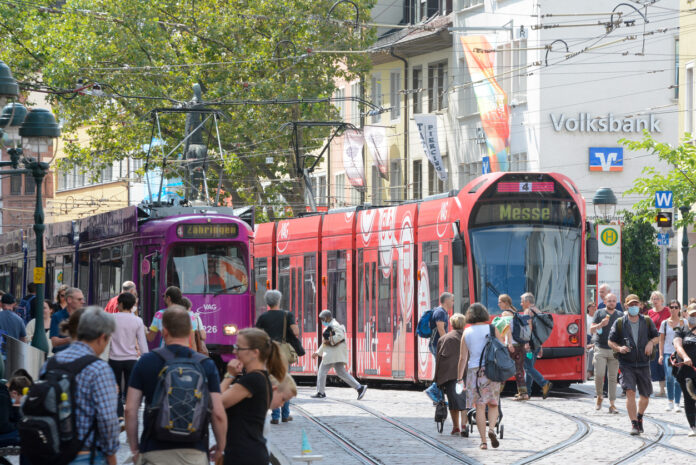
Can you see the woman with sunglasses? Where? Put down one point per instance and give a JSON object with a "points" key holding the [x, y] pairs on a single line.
{"points": [[61, 302], [247, 393], [668, 330]]}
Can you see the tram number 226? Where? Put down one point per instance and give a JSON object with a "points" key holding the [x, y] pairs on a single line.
{"points": [[212, 329]]}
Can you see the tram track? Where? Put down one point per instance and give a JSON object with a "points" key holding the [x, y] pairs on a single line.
{"points": [[445, 449], [348, 446]]}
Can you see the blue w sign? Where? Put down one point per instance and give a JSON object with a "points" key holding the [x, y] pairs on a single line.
{"points": [[663, 199]]}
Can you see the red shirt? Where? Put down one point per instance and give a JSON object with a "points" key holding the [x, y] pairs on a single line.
{"points": [[659, 317], [112, 306]]}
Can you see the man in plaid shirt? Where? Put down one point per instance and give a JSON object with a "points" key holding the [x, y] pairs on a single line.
{"points": [[96, 394]]}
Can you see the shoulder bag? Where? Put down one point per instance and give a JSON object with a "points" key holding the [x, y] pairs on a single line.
{"points": [[285, 347], [201, 348]]}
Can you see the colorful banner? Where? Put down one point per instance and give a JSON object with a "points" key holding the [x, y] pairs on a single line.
{"points": [[491, 100], [376, 138], [427, 127], [353, 142]]}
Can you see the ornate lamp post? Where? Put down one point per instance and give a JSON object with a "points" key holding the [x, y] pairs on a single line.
{"points": [[36, 128], [604, 202], [685, 259]]}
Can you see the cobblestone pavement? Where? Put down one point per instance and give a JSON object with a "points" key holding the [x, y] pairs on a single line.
{"points": [[566, 425]]}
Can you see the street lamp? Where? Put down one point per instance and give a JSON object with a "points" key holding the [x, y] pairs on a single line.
{"points": [[8, 85], [10, 120], [604, 202], [685, 258]]}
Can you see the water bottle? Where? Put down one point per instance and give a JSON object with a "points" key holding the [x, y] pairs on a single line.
{"points": [[64, 413]]}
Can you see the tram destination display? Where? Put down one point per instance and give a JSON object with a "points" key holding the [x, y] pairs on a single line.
{"points": [[551, 212], [207, 231]]}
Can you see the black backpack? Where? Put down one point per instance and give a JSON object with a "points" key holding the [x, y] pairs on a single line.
{"points": [[181, 406], [48, 429]]}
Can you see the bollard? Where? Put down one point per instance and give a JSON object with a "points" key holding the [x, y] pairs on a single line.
{"points": [[307, 456]]}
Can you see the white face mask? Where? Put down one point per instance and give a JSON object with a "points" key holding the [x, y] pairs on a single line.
{"points": [[692, 320]]}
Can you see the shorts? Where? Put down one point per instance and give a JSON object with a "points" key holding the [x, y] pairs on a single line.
{"points": [[455, 401], [636, 377]]}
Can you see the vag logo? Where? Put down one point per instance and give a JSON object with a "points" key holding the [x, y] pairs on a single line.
{"points": [[606, 158], [207, 308]]}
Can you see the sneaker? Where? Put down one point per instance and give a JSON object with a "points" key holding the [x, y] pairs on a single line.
{"points": [[693, 431], [275, 421], [670, 406], [640, 425], [361, 391], [677, 408], [545, 390], [690, 389], [318, 395], [635, 431], [287, 419]]}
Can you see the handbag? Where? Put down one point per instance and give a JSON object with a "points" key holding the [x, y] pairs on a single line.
{"points": [[440, 415], [201, 348], [285, 347]]}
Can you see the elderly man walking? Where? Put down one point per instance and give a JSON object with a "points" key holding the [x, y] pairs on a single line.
{"points": [[112, 305], [604, 359], [334, 354]]}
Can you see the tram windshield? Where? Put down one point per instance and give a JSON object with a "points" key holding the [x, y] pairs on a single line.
{"points": [[514, 259], [207, 269]]}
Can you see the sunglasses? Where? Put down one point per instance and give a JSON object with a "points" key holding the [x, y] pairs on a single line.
{"points": [[674, 307]]}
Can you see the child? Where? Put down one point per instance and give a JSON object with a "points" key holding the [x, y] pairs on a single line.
{"points": [[17, 386]]}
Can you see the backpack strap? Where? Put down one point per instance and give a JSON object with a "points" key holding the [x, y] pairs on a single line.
{"points": [[73, 367], [168, 355]]}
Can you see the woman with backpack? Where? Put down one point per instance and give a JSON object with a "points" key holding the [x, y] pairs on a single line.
{"points": [[480, 391], [517, 349], [247, 398]]}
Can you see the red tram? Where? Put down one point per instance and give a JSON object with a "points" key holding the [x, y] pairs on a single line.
{"points": [[378, 269]]}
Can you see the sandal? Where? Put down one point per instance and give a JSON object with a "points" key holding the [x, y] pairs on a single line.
{"points": [[521, 397], [455, 432], [494, 440], [483, 446]]}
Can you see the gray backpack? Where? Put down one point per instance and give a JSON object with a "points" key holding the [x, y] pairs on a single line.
{"points": [[181, 407], [498, 366]]}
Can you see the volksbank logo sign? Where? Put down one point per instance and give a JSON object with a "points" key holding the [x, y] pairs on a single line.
{"points": [[585, 122]]}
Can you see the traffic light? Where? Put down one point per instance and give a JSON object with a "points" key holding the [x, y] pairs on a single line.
{"points": [[664, 220]]}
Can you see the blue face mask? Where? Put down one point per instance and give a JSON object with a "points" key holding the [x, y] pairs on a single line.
{"points": [[325, 323], [634, 310]]}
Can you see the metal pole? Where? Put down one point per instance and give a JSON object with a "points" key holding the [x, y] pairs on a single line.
{"points": [[38, 171], [685, 259], [663, 268]]}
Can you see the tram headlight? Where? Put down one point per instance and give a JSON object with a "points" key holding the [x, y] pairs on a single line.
{"points": [[573, 328], [229, 330]]}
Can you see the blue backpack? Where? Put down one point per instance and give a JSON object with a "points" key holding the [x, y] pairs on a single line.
{"points": [[499, 366], [521, 329], [423, 329]]}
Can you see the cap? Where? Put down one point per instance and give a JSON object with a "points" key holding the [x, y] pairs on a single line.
{"points": [[691, 310], [8, 299], [632, 298]]}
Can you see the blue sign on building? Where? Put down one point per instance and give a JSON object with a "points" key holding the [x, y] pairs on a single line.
{"points": [[606, 158], [485, 165]]}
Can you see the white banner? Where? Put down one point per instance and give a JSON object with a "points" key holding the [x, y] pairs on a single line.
{"points": [[353, 142], [378, 144], [427, 127], [609, 264]]}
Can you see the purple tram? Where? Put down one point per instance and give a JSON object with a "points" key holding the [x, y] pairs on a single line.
{"points": [[202, 250]]}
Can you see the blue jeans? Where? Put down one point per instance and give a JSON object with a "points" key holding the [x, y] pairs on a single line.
{"points": [[531, 373], [275, 413], [83, 459], [673, 388]]}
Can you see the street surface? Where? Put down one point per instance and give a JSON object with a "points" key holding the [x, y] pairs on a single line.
{"points": [[394, 427]]}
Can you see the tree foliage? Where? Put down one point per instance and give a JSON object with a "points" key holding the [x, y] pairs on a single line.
{"points": [[681, 180], [237, 50], [640, 264]]}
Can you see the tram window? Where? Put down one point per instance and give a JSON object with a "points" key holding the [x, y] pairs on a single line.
{"points": [[394, 310], [203, 269], [284, 288], [383, 308], [298, 305], [310, 293], [361, 292], [261, 271], [446, 264], [337, 286], [430, 257], [291, 295]]}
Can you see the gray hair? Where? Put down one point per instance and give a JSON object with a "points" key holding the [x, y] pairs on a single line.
{"points": [[528, 297], [457, 321], [326, 315], [444, 296], [71, 291], [273, 297], [659, 295], [605, 286], [128, 286], [94, 323]]}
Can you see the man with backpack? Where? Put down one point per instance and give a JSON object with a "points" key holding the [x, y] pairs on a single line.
{"points": [[439, 322], [85, 389], [532, 374], [25, 308], [635, 337], [182, 396]]}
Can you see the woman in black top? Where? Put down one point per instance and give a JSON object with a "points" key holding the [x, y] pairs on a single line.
{"points": [[248, 397], [685, 347]]}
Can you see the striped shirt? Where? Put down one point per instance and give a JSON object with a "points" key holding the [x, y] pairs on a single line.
{"points": [[95, 398]]}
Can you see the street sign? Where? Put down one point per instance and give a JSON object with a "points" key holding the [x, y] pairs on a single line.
{"points": [[663, 199], [664, 220], [485, 165], [663, 239]]}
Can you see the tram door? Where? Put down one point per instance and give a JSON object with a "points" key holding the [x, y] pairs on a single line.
{"points": [[375, 339], [337, 293], [262, 276]]}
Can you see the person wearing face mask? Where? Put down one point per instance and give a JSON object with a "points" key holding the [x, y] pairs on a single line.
{"points": [[604, 359], [634, 336], [685, 346], [334, 354]]}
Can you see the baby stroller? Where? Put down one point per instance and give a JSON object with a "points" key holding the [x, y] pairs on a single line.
{"points": [[499, 427]]}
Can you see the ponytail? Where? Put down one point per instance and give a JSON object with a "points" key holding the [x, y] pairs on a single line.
{"points": [[276, 363]]}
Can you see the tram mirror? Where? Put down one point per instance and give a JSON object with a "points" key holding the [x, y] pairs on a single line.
{"points": [[592, 251], [458, 255]]}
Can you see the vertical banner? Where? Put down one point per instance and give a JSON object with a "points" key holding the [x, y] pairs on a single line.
{"points": [[377, 142], [491, 100], [427, 127], [609, 263], [353, 142]]}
